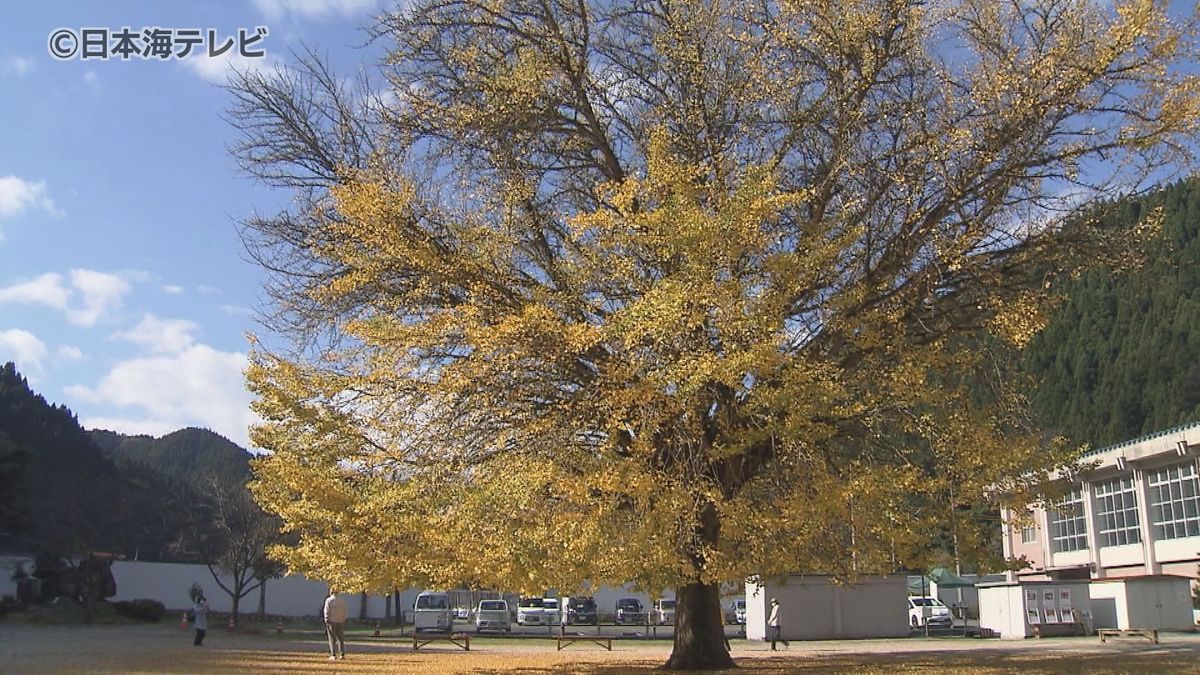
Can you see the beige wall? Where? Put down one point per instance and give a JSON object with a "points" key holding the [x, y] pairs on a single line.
{"points": [[816, 608]]}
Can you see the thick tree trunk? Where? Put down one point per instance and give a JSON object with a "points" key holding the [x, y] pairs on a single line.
{"points": [[699, 629]]}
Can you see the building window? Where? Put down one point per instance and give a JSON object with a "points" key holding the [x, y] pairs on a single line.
{"points": [[1116, 512], [1029, 530], [1175, 501], [1068, 527]]}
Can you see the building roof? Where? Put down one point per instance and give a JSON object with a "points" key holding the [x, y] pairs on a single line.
{"points": [[1141, 439]]}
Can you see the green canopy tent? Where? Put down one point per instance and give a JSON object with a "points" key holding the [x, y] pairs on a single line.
{"points": [[944, 578]]}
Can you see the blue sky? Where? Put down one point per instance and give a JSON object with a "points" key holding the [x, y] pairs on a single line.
{"points": [[124, 289]]}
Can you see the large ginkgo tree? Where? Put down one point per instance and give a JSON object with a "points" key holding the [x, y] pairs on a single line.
{"points": [[679, 293]]}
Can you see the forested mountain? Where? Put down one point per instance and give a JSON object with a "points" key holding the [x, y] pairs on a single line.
{"points": [[190, 456], [64, 490], [1121, 357], [66, 496]]}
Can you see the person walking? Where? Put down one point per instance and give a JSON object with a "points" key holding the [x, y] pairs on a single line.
{"points": [[200, 622], [773, 624], [335, 625]]}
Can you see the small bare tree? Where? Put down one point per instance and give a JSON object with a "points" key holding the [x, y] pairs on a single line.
{"points": [[232, 536]]}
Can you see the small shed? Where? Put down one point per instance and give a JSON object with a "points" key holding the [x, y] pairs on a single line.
{"points": [[1158, 601], [815, 607], [1020, 609]]}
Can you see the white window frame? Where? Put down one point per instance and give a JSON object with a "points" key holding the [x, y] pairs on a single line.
{"points": [[1174, 501], [1116, 505], [1068, 523]]}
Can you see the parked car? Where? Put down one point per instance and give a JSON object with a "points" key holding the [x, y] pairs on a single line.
{"points": [[531, 612], [582, 610], [664, 612], [431, 611], [551, 612], [924, 610], [630, 611], [462, 613], [736, 611], [492, 615]]}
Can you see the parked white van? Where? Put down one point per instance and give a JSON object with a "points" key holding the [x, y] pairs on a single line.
{"points": [[531, 612], [431, 611], [552, 614]]}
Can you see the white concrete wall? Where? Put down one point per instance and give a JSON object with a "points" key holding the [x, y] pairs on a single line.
{"points": [[8, 565], [606, 598], [815, 608], [169, 583]]}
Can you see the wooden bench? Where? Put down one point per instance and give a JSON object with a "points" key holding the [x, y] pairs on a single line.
{"points": [[461, 640], [565, 641], [1150, 634]]}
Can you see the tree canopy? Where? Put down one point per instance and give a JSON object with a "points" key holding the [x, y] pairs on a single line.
{"points": [[683, 292]]}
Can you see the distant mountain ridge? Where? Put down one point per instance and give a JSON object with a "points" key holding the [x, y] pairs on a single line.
{"points": [[188, 455], [67, 491]]}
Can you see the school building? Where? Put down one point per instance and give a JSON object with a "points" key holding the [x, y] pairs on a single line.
{"points": [[1135, 511]]}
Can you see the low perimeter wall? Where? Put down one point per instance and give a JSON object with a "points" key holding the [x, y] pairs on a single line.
{"points": [[287, 596]]}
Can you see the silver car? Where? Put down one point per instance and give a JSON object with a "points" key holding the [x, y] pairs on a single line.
{"points": [[492, 615]]}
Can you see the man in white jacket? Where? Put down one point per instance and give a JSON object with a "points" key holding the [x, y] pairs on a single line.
{"points": [[335, 625], [773, 625]]}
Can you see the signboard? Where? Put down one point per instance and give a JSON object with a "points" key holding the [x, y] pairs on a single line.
{"points": [[1048, 605]]}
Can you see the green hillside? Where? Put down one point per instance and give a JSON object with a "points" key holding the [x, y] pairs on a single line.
{"points": [[188, 456], [64, 490], [1121, 358]]}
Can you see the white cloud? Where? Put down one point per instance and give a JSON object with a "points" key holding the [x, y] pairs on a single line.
{"points": [[173, 290], [69, 353], [218, 69], [47, 289], [17, 195], [23, 348], [18, 65], [235, 310], [101, 293], [314, 9], [90, 296], [199, 386], [161, 336], [91, 80], [131, 426]]}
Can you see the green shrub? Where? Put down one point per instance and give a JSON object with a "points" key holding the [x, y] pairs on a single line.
{"points": [[150, 611]]}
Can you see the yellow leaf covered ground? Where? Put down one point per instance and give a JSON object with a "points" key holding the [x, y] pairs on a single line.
{"points": [[161, 649]]}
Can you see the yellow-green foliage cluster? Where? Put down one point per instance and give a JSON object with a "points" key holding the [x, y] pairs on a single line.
{"points": [[729, 317]]}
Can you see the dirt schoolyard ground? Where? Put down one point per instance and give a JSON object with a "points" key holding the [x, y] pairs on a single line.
{"points": [[163, 649]]}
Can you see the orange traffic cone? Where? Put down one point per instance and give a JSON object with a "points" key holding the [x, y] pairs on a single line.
{"points": [[376, 629], [279, 627], [183, 621]]}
